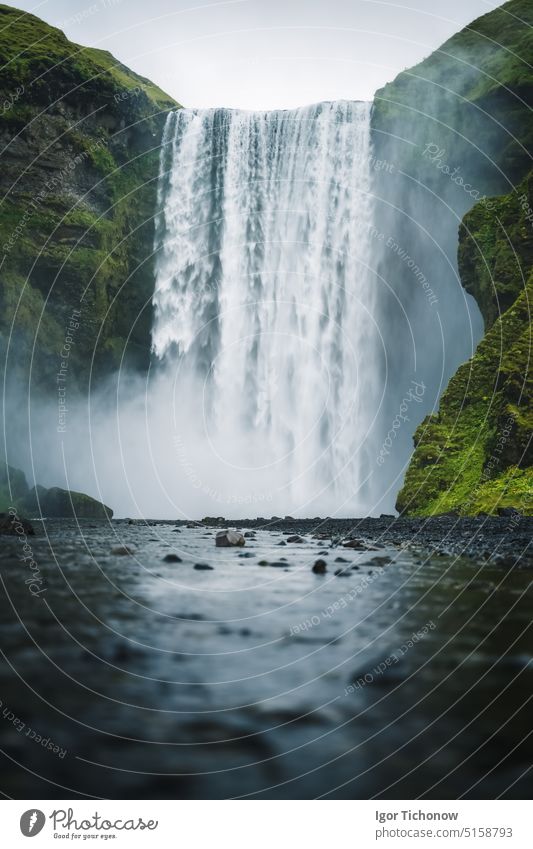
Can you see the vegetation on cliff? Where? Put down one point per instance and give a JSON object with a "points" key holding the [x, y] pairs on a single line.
{"points": [[458, 128], [80, 136], [476, 455]]}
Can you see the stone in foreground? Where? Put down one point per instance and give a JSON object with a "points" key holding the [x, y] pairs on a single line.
{"points": [[12, 524], [229, 538]]}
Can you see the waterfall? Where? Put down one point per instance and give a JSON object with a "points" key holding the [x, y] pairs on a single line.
{"points": [[263, 306]]}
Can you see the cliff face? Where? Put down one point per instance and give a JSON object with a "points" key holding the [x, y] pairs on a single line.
{"points": [[79, 136], [476, 455], [459, 133]]}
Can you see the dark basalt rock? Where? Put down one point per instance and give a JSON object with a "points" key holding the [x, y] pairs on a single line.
{"points": [[12, 524]]}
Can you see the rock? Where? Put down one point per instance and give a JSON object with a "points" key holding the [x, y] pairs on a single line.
{"points": [[341, 560], [122, 549], [357, 544], [203, 567], [57, 503], [386, 516], [263, 563], [508, 511], [228, 538], [279, 564], [295, 538], [381, 561], [246, 554], [172, 558], [13, 524], [289, 519], [342, 573], [320, 567], [282, 542], [249, 535]]}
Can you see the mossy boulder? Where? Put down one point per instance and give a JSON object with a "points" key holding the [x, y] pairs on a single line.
{"points": [[53, 503]]}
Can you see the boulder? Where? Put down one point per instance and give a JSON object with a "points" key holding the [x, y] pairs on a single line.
{"points": [[320, 567], [229, 538], [13, 524]]}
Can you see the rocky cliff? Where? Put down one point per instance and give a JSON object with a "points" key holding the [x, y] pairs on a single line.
{"points": [[458, 132], [80, 136]]}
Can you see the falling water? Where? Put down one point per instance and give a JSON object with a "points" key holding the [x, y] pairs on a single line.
{"points": [[263, 306]]}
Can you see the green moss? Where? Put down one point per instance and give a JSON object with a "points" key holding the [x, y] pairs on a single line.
{"points": [[472, 96], [79, 178], [476, 454]]}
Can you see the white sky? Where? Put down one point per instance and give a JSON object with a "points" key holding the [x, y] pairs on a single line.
{"points": [[263, 54]]}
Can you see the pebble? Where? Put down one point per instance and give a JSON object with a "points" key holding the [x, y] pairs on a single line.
{"points": [[172, 558], [203, 567]]}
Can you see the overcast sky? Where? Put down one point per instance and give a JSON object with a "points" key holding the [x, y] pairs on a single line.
{"points": [[263, 54]]}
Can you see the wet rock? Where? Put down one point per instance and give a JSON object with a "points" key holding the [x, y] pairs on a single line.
{"points": [[121, 550], [263, 563], [246, 554], [508, 511], [341, 560], [281, 542], [356, 544], [342, 573], [225, 539], [295, 538], [279, 564], [203, 567], [172, 558], [249, 535], [381, 561], [320, 567], [13, 524]]}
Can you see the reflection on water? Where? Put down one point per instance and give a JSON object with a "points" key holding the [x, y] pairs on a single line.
{"points": [[397, 679]]}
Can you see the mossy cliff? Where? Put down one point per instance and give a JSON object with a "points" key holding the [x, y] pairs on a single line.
{"points": [[476, 455], [80, 136], [458, 132]]}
